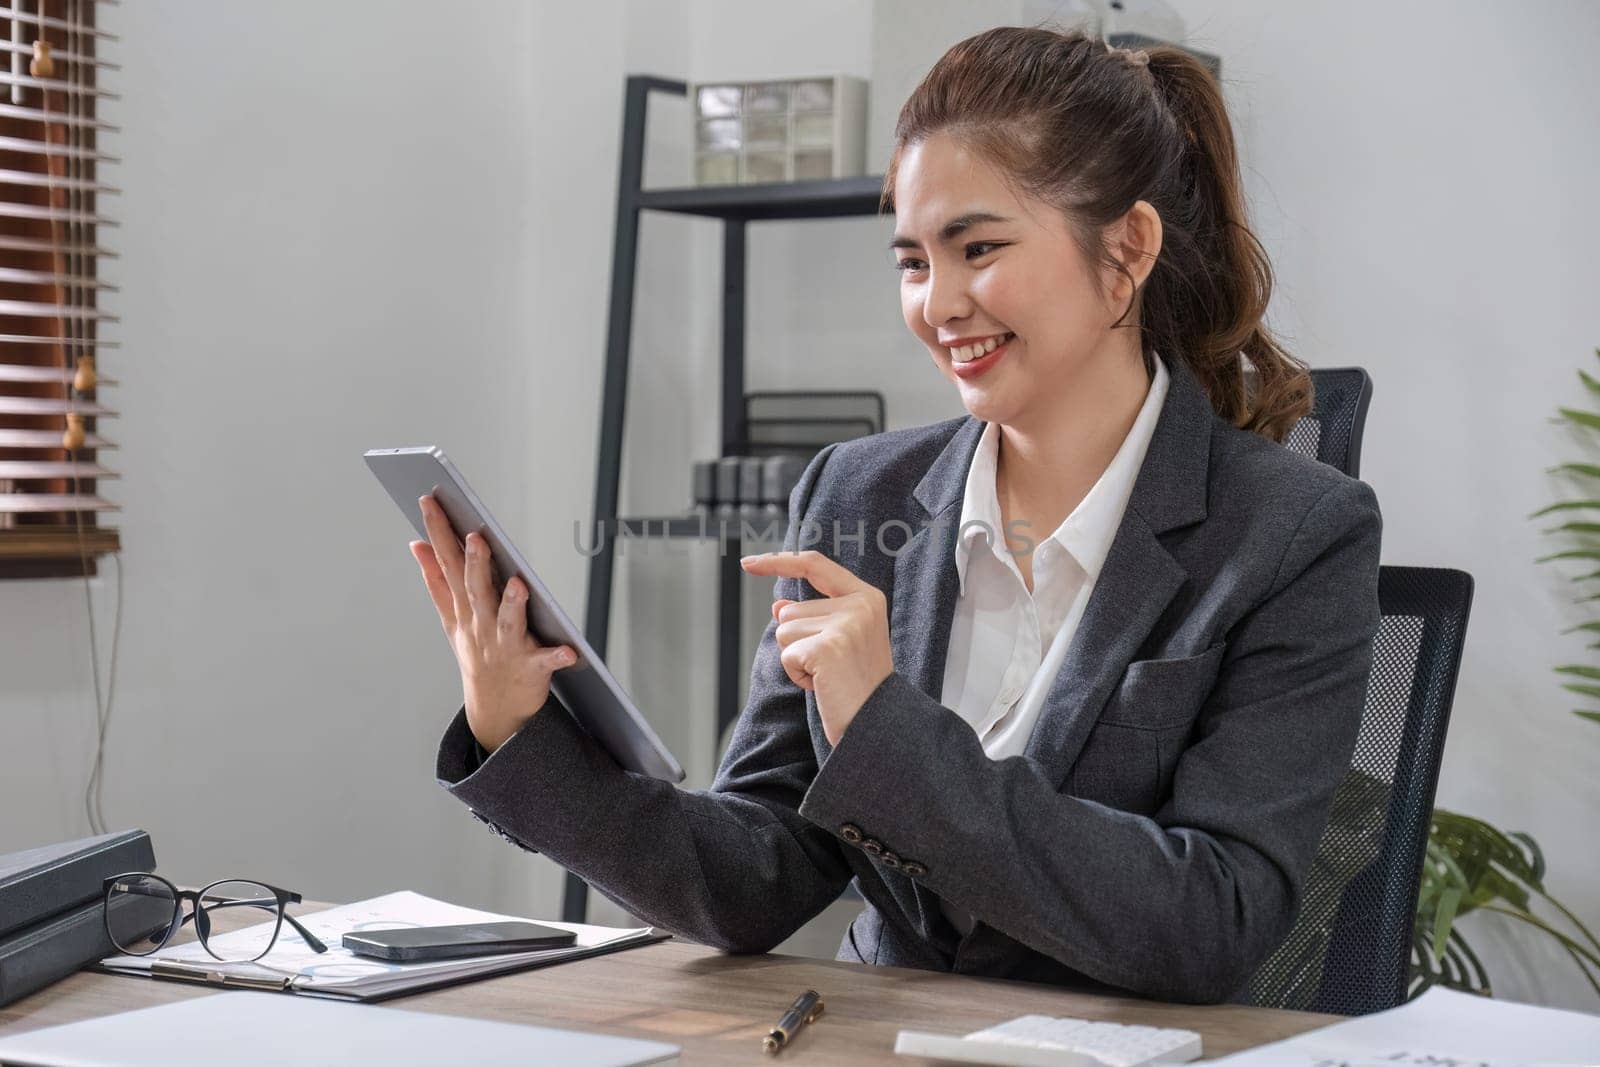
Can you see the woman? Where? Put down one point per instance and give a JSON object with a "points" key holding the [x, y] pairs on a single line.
{"points": [[1103, 753]]}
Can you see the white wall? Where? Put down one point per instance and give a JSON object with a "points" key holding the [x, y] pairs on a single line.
{"points": [[428, 260]]}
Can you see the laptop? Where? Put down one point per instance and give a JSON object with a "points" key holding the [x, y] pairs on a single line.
{"points": [[251, 1029]]}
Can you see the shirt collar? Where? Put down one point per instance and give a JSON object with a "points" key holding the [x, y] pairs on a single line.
{"points": [[1087, 533]]}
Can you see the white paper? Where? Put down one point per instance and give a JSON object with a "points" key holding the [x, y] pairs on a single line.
{"points": [[1441, 1028], [339, 969]]}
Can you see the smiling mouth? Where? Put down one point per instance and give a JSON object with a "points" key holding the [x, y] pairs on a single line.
{"points": [[978, 349]]}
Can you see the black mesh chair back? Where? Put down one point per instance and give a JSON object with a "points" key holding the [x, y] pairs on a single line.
{"points": [[1332, 432], [1350, 946]]}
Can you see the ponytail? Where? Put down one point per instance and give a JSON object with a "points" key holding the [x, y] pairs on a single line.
{"points": [[1219, 298]]}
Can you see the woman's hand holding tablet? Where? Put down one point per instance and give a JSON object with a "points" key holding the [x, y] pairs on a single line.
{"points": [[505, 672], [508, 647]]}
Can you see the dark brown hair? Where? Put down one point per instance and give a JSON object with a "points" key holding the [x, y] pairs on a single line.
{"points": [[1091, 130]]}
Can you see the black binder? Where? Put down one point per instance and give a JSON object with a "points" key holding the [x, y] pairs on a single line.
{"points": [[51, 911], [48, 951]]}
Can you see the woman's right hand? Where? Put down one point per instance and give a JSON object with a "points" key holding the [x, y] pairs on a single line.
{"points": [[505, 673]]}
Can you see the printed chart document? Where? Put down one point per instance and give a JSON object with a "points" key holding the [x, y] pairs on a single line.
{"points": [[340, 973], [1441, 1028]]}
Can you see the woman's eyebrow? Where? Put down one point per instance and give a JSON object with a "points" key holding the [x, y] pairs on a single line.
{"points": [[951, 230]]}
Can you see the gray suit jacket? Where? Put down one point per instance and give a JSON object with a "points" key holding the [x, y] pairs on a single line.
{"points": [[1153, 836]]}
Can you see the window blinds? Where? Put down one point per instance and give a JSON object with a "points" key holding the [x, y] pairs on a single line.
{"points": [[53, 220]]}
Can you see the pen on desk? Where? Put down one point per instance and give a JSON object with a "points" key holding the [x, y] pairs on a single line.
{"points": [[805, 1009]]}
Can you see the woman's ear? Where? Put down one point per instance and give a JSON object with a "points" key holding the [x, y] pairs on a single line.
{"points": [[1135, 240]]}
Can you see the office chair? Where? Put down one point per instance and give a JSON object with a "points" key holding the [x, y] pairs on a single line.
{"points": [[1332, 432], [1349, 949]]}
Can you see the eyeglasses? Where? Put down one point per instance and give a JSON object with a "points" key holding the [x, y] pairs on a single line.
{"points": [[143, 911]]}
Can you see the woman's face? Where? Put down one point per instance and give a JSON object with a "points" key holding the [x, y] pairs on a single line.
{"points": [[1020, 273]]}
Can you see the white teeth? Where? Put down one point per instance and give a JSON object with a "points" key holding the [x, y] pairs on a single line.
{"points": [[968, 353]]}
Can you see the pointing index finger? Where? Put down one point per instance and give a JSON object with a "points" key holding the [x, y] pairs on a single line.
{"points": [[825, 575]]}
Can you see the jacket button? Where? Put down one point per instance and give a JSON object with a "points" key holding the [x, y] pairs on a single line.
{"points": [[913, 868], [851, 833], [872, 846], [889, 859]]}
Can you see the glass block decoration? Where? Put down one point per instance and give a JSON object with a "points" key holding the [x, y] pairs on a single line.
{"points": [[779, 131]]}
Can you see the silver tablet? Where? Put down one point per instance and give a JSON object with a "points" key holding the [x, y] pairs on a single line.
{"points": [[586, 688]]}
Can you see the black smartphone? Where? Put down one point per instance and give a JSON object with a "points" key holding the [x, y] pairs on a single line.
{"points": [[414, 943]]}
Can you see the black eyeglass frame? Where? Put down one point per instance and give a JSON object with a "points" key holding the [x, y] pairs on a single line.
{"points": [[200, 914]]}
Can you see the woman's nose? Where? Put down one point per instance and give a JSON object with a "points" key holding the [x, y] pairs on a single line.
{"points": [[946, 299]]}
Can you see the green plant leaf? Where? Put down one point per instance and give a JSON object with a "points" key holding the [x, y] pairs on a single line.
{"points": [[1592, 716], [1442, 921], [1594, 386], [1586, 419], [1565, 505], [1582, 690], [1592, 626], [1573, 947], [1574, 528], [1575, 553], [1578, 670], [1535, 853], [1498, 886], [1587, 470]]}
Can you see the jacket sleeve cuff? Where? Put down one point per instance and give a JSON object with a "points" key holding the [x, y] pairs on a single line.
{"points": [[459, 752], [479, 778], [461, 756], [872, 778]]}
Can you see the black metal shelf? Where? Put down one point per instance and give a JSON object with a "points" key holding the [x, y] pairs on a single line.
{"points": [[825, 199], [735, 206]]}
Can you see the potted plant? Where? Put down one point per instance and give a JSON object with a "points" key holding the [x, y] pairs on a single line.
{"points": [[1473, 866]]}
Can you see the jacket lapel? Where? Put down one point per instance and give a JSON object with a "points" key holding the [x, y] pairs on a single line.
{"points": [[923, 597], [1137, 581]]}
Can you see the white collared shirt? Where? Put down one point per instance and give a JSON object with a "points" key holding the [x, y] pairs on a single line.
{"points": [[1006, 644]]}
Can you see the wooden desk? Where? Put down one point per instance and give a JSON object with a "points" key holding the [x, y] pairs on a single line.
{"points": [[718, 1007]]}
